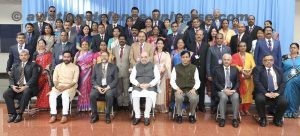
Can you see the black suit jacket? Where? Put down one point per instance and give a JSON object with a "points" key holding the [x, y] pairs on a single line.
{"points": [[219, 78], [139, 23], [172, 41], [109, 30], [32, 43], [37, 29], [189, 36], [260, 79], [13, 57], [234, 43], [96, 42], [200, 63], [74, 29], [252, 34], [31, 73], [128, 35], [207, 33]]}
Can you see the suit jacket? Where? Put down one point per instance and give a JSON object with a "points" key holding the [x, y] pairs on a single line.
{"points": [[73, 36], [85, 23], [32, 43], [31, 74], [111, 75], [96, 42], [200, 63], [139, 23], [214, 24], [74, 29], [234, 43], [261, 49], [219, 78], [252, 34], [58, 50], [213, 56], [128, 35], [109, 30], [135, 52], [189, 36], [171, 41], [160, 24], [260, 79], [37, 28], [13, 57], [122, 63], [207, 32]]}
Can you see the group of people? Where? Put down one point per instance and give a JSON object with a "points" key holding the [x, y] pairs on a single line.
{"points": [[164, 62]]}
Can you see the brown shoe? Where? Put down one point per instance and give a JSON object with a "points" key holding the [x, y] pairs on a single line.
{"points": [[64, 119], [52, 119]]}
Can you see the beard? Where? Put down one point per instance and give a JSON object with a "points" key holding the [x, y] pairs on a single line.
{"points": [[67, 61]]}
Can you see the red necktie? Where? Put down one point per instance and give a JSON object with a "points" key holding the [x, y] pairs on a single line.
{"points": [[121, 52], [141, 48]]}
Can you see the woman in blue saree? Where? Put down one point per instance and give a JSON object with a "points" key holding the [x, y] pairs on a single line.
{"points": [[291, 68]]}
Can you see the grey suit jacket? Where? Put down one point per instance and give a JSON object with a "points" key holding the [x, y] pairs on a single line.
{"points": [[58, 50], [213, 56], [122, 63]]}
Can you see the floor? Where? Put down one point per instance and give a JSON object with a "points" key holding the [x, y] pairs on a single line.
{"points": [[79, 125]]}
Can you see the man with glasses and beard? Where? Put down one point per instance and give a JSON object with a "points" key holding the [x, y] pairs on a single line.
{"points": [[65, 80]]}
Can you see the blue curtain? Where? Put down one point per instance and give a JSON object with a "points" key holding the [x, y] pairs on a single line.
{"points": [[280, 12]]}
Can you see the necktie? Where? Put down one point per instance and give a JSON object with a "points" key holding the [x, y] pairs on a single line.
{"points": [[115, 26], [40, 27], [269, 45], [227, 79], [21, 80], [102, 37], [20, 47], [78, 29], [141, 48], [239, 39], [129, 31], [103, 71], [250, 30], [121, 52], [271, 87]]}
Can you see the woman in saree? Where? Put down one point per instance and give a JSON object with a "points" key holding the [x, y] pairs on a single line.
{"points": [[84, 59], [245, 63], [291, 69], [43, 58]]}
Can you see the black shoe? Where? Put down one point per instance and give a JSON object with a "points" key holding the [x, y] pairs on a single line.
{"points": [[263, 122], [146, 121], [235, 123], [18, 118], [179, 119], [222, 123], [202, 109], [192, 119], [94, 118], [107, 119], [11, 118], [126, 108], [277, 122], [135, 121], [213, 110]]}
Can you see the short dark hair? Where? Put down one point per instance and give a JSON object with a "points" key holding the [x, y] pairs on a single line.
{"points": [[122, 35], [194, 10], [135, 8], [295, 44], [29, 24], [268, 27], [173, 23], [89, 12], [179, 14], [155, 10], [185, 52], [268, 54], [51, 7], [21, 34], [269, 21], [67, 51]]}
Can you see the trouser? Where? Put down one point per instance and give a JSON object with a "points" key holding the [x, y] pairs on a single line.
{"points": [[96, 95], [201, 92], [123, 85], [234, 98], [65, 101], [193, 99], [136, 107]]}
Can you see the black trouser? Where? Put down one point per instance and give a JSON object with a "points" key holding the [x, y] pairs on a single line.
{"points": [[24, 97], [261, 100], [201, 93], [96, 95]]}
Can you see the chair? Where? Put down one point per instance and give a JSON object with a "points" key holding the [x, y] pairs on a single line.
{"points": [[31, 111], [101, 101], [185, 106], [218, 114], [269, 117], [74, 99]]}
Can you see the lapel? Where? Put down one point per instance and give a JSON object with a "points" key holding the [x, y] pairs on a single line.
{"points": [[265, 77], [223, 75]]}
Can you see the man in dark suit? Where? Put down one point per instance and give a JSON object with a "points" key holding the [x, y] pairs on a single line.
{"points": [[110, 27], [207, 26], [137, 21], [71, 33], [269, 88], [268, 46], [133, 37], [213, 59], [59, 48], [78, 25], [104, 80], [102, 36], [240, 37], [39, 24], [194, 14], [88, 18], [199, 49], [172, 38], [216, 23], [252, 29], [22, 86], [155, 19], [13, 57], [189, 35], [31, 37], [226, 82]]}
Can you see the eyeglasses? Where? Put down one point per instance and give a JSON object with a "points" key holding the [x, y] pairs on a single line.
{"points": [[52, 11], [174, 26]]}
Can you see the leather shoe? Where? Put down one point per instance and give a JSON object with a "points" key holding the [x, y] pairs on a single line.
{"points": [[11, 118], [192, 119], [94, 118], [146, 121], [277, 122], [222, 123], [262, 122], [135, 121], [52, 119], [213, 110], [64, 119], [235, 123], [18, 118], [202, 109], [179, 119], [107, 119]]}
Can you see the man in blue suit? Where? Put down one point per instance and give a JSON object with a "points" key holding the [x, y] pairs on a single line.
{"points": [[268, 46]]}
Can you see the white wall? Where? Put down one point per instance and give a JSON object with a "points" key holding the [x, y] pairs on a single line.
{"points": [[296, 24], [6, 11]]}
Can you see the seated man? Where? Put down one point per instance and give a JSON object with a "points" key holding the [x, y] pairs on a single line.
{"points": [[144, 77], [104, 80], [269, 87], [22, 86], [185, 81], [65, 80], [226, 83]]}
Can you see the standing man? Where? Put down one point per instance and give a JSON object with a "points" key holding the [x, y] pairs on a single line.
{"points": [[88, 18], [51, 17], [31, 36], [137, 21], [39, 24], [115, 19], [252, 29], [96, 40], [172, 38], [241, 36], [155, 19]]}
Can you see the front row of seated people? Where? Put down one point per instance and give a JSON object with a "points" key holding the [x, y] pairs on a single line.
{"points": [[268, 80]]}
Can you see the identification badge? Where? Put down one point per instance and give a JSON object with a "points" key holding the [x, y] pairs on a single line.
{"points": [[196, 56], [220, 61], [172, 47], [60, 57], [293, 71]]}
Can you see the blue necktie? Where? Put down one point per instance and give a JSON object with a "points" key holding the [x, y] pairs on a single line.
{"points": [[271, 87]]}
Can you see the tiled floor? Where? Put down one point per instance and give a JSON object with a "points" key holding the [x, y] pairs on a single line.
{"points": [[121, 126]]}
